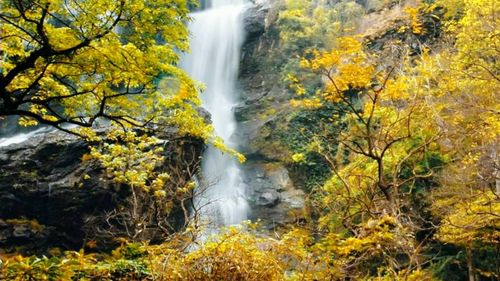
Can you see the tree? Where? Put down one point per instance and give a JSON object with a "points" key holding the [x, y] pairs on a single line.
{"points": [[385, 153], [79, 62], [381, 110], [84, 63]]}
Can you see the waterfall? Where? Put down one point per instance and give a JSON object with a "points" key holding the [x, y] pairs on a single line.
{"points": [[216, 39]]}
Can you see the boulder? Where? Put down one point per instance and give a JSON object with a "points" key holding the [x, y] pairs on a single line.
{"points": [[268, 198], [272, 195]]}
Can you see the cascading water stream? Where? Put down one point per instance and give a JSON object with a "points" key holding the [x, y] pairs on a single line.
{"points": [[216, 39]]}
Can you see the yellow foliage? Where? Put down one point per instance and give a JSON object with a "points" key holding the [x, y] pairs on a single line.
{"points": [[232, 255], [472, 221], [343, 67], [132, 159], [415, 24], [298, 157]]}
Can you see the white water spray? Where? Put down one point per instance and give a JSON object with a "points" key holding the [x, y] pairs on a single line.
{"points": [[216, 39]]}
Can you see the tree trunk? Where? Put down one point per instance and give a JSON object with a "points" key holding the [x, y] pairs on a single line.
{"points": [[470, 266], [496, 171]]}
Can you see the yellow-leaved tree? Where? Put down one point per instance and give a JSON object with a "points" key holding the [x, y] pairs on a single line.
{"points": [[75, 62], [384, 155], [85, 63]]}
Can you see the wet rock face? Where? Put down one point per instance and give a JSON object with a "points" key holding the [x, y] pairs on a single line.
{"points": [[255, 19], [43, 183]]}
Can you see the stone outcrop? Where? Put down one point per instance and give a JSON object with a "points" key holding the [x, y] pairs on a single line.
{"points": [[274, 198], [258, 18], [40, 181]]}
